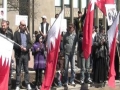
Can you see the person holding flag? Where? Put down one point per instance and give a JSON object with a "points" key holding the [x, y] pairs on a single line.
{"points": [[8, 34], [22, 37]]}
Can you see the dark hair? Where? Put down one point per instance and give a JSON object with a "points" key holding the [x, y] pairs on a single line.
{"points": [[79, 12], [37, 38], [56, 15], [8, 22], [71, 24], [36, 32]]}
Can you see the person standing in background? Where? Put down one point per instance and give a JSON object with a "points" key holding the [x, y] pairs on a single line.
{"points": [[39, 60], [22, 37], [69, 45]]}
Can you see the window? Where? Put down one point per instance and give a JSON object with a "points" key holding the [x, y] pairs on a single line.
{"points": [[57, 2], [84, 3], [75, 3], [67, 2]]}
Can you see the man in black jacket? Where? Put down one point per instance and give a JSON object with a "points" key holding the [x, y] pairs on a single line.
{"points": [[4, 31], [9, 29], [22, 37], [79, 21]]}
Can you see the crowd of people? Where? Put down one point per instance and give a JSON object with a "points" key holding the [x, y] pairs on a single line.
{"points": [[71, 45]]}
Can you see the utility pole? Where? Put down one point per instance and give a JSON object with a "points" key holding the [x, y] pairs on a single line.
{"points": [[32, 16], [71, 11], [5, 9], [80, 5], [62, 4], [96, 17]]}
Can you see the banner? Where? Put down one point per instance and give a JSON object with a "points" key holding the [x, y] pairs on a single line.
{"points": [[111, 13], [20, 18], [2, 13]]}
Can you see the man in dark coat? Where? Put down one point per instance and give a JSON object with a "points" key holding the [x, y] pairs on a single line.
{"points": [[22, 37]]}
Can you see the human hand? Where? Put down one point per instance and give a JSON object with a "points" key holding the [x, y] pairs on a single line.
{"points": [[23, 48], [38, 49]]}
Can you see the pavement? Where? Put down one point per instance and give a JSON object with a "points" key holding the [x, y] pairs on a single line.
{"points": [[77, 87]]}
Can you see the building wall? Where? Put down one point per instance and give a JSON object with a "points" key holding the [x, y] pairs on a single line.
{"points": [[45, 7], [42, 7]]}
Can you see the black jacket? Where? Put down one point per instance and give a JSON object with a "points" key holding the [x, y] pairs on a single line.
{"points": [[76, 22], [7, 34], [17, 39]]}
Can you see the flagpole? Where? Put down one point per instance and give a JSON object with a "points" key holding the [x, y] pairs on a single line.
{"points": [[9, 40], [5, 9]]}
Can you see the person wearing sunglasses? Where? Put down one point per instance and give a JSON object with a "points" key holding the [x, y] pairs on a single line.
{"points": [[22, 37]]}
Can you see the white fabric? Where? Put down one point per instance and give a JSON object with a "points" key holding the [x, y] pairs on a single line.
{"points": [[112, 31], [93, 35], [6, 47], [54, 31]]}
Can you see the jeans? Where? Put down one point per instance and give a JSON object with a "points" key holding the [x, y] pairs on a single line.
{"points": [[69, 58], [85, 68], [19, 61]]}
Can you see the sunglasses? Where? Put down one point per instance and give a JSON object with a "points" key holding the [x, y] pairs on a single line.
{"points": [[23, 25]]}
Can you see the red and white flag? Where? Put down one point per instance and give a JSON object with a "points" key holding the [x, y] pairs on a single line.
{"points": [[87, 30], [6, 47], [101, 4], [53, 44], [112, 34]]}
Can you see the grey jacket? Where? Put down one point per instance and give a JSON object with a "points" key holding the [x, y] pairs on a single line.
{"points": [[69, 43]]}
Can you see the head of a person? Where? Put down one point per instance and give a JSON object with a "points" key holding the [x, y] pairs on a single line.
{"points": [[93, 29], [79, 14], [8, 23], [102, 30], [4, 25], [71, 28], [96, 28], [22, 25], [36, 33], [56, 15], [44, 19], [38, 38]]}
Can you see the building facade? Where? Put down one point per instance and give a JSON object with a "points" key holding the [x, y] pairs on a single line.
{"points": [[37, 8]]}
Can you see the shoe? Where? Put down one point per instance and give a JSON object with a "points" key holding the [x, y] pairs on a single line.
{"points": [[73, 83], [36, 88], [66, 84], [81, 81], [29, 87], [17, 88], [89, 81]]}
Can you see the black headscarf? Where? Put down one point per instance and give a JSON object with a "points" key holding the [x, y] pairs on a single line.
{"points": [[38, 37]]}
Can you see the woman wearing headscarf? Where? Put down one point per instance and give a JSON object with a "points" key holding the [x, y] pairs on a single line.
{"points": [[39, 59], [101, 57]]}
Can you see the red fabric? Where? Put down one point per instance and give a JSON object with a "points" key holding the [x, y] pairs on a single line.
{"points": [[101, 4], [52, 58], [53, 44], [87, 32], [112, 74], [4, 75]]}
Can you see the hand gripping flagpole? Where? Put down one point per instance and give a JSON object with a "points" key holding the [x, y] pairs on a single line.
{"points": [[9, 39]]}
